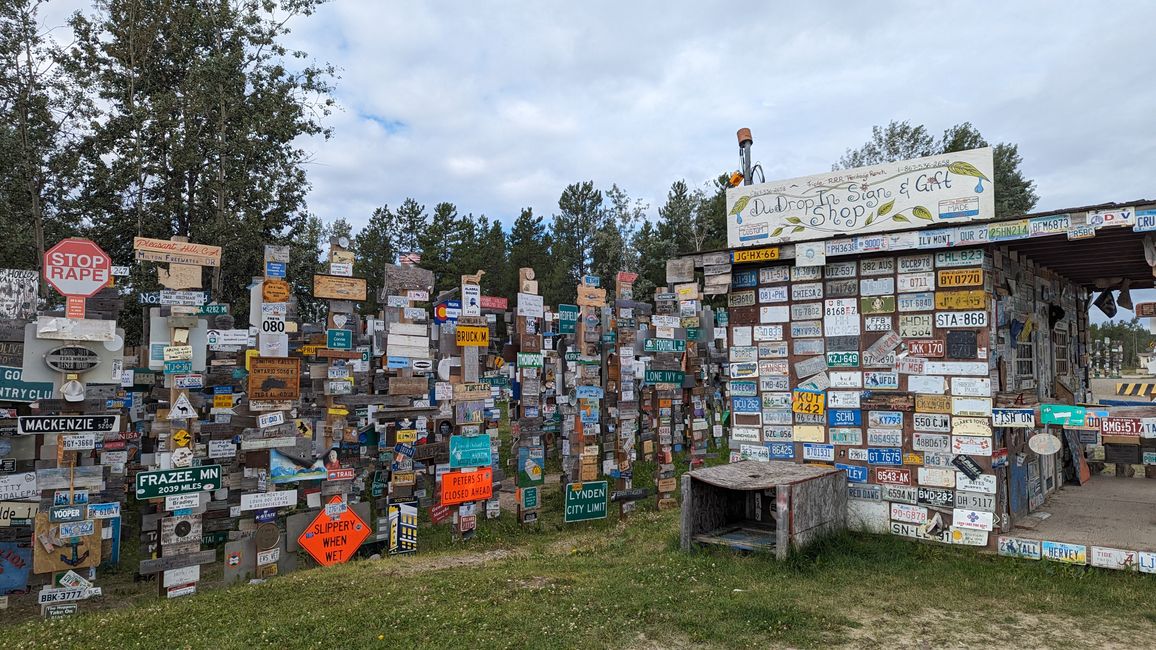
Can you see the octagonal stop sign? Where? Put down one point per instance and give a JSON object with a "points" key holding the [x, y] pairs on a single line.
{"points": [[77, 268]]}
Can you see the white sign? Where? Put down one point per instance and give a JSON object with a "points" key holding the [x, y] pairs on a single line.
{"points": [[182, 576], [530, 305], [912, 282], [183, 501], [266, 420], [19, 486], [263, 500], [985, 483], [947, 188], [971, 386], [973, 519], [926, 385], [78, 442], [222, 449], [946, 319]]}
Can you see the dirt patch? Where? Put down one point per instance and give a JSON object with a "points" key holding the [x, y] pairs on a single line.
{"points": [[419, 564], [937, 628]]}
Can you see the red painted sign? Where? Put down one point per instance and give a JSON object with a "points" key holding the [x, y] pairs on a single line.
{"points": [[77, 268], [892, 476], [928, 348], [343, 474], [494, 302], [1120, 426], [626, 277], [463, 487], [333, 540]]}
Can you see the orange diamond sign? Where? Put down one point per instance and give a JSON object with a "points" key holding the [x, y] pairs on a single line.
{"points": [[333, 538]]}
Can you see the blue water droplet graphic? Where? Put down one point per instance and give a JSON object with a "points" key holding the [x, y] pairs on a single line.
{"points": [[979, 186]]}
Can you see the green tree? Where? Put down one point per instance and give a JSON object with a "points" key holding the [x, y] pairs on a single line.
{"points": [[1014, 192], [1132, 335], [572, 234], [205, 110], [438, 241], [652, 256], [41, 111], [529, 247], [610, 252], [376, 246], [411, 222]]}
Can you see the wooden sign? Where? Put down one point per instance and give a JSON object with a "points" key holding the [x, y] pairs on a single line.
{"points": [[165, 250], [274, 378], [591, 296], [408, 386], [275, 291], [336, 287]]}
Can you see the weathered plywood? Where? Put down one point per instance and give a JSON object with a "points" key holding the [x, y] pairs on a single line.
{"points": [[757, 475]]}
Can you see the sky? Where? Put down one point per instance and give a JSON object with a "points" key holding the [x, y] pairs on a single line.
{"points": [[496, 106]]}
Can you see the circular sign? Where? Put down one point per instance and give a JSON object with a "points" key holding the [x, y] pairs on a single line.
{"points": [[72, 358], [266, 537], [275, 291], [77, 267], [1044, 444], [183, 528]]}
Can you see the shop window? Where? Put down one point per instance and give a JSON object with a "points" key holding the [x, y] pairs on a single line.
{"points": [[1060, 342], [1025, 360]]}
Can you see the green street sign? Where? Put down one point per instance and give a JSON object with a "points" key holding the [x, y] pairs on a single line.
{"points": [[842, 359], [692, 333], [529, 498], [529, 360], [585, 501], [213, 309], [170, 482], [664, 345], [567, 319], [665, 376], [339, 339]]}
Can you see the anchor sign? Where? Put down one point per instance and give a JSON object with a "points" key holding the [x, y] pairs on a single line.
{"points": [[76, 558]]}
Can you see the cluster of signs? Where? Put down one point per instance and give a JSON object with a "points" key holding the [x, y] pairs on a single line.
{"points": [[1079, 554], [880, 367]]}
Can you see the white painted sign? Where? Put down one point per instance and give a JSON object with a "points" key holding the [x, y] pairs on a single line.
{"points": [[263, 500], [947, 188]]}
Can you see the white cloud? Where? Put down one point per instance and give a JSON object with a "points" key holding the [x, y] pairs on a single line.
{"points": [[499, 105]]}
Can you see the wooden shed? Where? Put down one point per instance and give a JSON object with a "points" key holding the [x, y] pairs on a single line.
{"points": [[762, 506]]}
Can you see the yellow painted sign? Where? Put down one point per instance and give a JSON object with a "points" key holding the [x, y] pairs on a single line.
{"points": [[960, 278], [407, 435], [911, 458], [223, 401], [472, 336], [182, 438], [748, 255], [804, 401], [972, 299], [310, 350]]}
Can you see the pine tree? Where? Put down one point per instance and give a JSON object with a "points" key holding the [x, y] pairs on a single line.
{"points": [[376, 245], [529, 247], [204, 113]]}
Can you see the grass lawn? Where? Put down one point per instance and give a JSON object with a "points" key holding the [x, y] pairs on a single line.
{"points": [[613, 585]]}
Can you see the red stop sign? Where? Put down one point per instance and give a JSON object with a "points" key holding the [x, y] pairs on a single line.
{"points": [[77, 267]]}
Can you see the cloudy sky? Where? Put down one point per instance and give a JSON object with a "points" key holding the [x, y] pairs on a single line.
{"points": [[498, 105]]}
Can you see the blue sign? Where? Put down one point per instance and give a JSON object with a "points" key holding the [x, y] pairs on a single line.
{"points": [[884, 456], [721, 318], [845, 417], [447, 310], [222, 390], [339, 339], [782, 450], [592, 280], [396, 363], [745, 279], [274, 269], [588, 392], [855, 473], [746, 404], [15, 565], [266, 516], [469, 451], [1145, 221]]}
